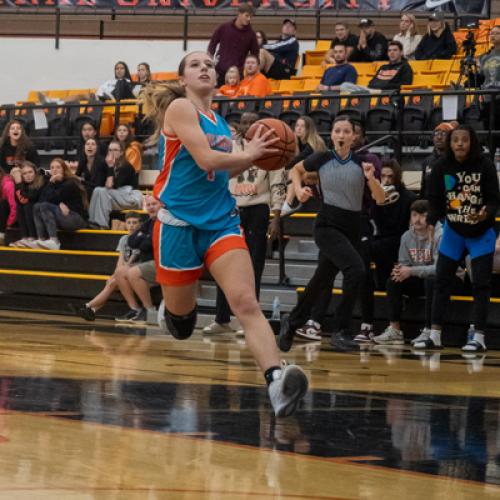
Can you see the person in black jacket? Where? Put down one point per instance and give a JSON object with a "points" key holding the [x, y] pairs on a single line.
{"points": [[398, 72], [120, 191], [62, 205], [92, 169], [463, 190], [372, 45], [16, 146], [140, 278], [29, 182], [438, 42]]}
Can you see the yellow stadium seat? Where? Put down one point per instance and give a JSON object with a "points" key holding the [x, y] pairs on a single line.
{"points": [[441, 65], [428, 79], [364, 80], [419, 66], [275, 84], [311, 71], [164, 75], [290, 86], [322, 45], [364, 68], [314, 57], [311, 84]]}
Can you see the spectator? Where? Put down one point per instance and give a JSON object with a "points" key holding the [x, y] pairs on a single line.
{"points": [[261, 38], [133, 149], [489, 68], [120, 191], [254, 83], [309, 142], [92, 169], [408, 36], [16, 146], [463, 190], [232, 83], [257, 193], [342, 72], [391, 220], [7, 204], [389, 76], [372, 45], [29, 182], [278, 60], [62, 205], [138, 279], [344, 37], [439, 138], [231, 42], [143, 78], [127, 258], [413, 275], [438, 42], [88, 130]]}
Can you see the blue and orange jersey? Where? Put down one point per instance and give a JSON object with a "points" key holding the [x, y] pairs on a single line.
{"points": [[200, 198]]}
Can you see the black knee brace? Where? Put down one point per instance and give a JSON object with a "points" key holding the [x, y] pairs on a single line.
{"points": [[181, 327]]}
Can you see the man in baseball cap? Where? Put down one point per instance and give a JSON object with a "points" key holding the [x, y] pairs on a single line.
{"points": [[372, 45], [439, 137]]}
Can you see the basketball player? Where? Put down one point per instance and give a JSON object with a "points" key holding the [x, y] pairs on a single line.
{"points": [[199, 224]]}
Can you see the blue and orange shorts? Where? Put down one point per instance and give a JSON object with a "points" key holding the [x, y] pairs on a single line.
{"points": [[181, 252]]}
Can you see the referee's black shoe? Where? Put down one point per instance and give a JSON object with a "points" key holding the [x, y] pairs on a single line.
{"points": [[285, 337], [342, 341]]}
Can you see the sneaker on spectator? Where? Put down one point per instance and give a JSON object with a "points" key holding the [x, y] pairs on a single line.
{"points": [[35, 244], [424, 335], [125, 318], [215, 327], [2, 239], [140, 318], [87, 313], [310, 331], [51, 244], [390, 336], [342, 341], [365, 335]]}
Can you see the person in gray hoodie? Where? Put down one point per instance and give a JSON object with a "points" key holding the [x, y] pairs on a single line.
{"points": [[413, 275]]}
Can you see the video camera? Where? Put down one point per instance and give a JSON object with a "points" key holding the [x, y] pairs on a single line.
{"points": [[469, 45]]}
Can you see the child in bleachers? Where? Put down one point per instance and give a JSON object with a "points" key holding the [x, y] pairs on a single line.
{"points": [[62, 205], [91, 167], [133, 149], [127, 258], [232, 83], [7, 204], [414, 273], [16, 146], [29, 182], [120, 191]]}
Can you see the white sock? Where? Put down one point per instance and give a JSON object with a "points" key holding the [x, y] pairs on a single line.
{"points": [[479, 337], [285, 207], [435, 336]]}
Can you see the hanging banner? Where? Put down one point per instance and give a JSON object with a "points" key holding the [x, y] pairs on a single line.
{"points": [[460, 7]]}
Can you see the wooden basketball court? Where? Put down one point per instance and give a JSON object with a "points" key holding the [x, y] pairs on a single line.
{"points": [[97, 411]]}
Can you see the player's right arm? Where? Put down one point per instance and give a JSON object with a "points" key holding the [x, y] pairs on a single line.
{"points": [[181, 120]]}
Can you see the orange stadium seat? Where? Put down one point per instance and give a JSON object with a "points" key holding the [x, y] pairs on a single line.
{"points": [[322, 45], [420, 66], [311, 71], [310, 85], [365, 68], [290, 86], [314, 57]]}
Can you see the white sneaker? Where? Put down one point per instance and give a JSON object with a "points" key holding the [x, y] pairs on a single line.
{"points": [[49, 244], [424, 335], [390, 336], [35, 244], [287, 389], [215, 327], [310, 331]]}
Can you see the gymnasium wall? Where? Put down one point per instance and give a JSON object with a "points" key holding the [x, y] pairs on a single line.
{"points": [[34, 63]]}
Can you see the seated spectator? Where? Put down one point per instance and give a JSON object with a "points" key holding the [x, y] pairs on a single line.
{"points": [[389, 76], [408, 36], [342, 72], [118, 88], [261, 38], [438, 42], [29, 183], [439, 138], [414, 273], [16, 146], [372, 45], [391, 220], [143, 78], [7, 204], [138, 279], [133, 149], [62, 204], [232, 83], [344, 37], [126, 260], [120, 191], [278, 60], [92, 169], [88, 130], [254, 83]]}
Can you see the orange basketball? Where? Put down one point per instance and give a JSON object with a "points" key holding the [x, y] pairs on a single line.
{"points": [[286, 146]]}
